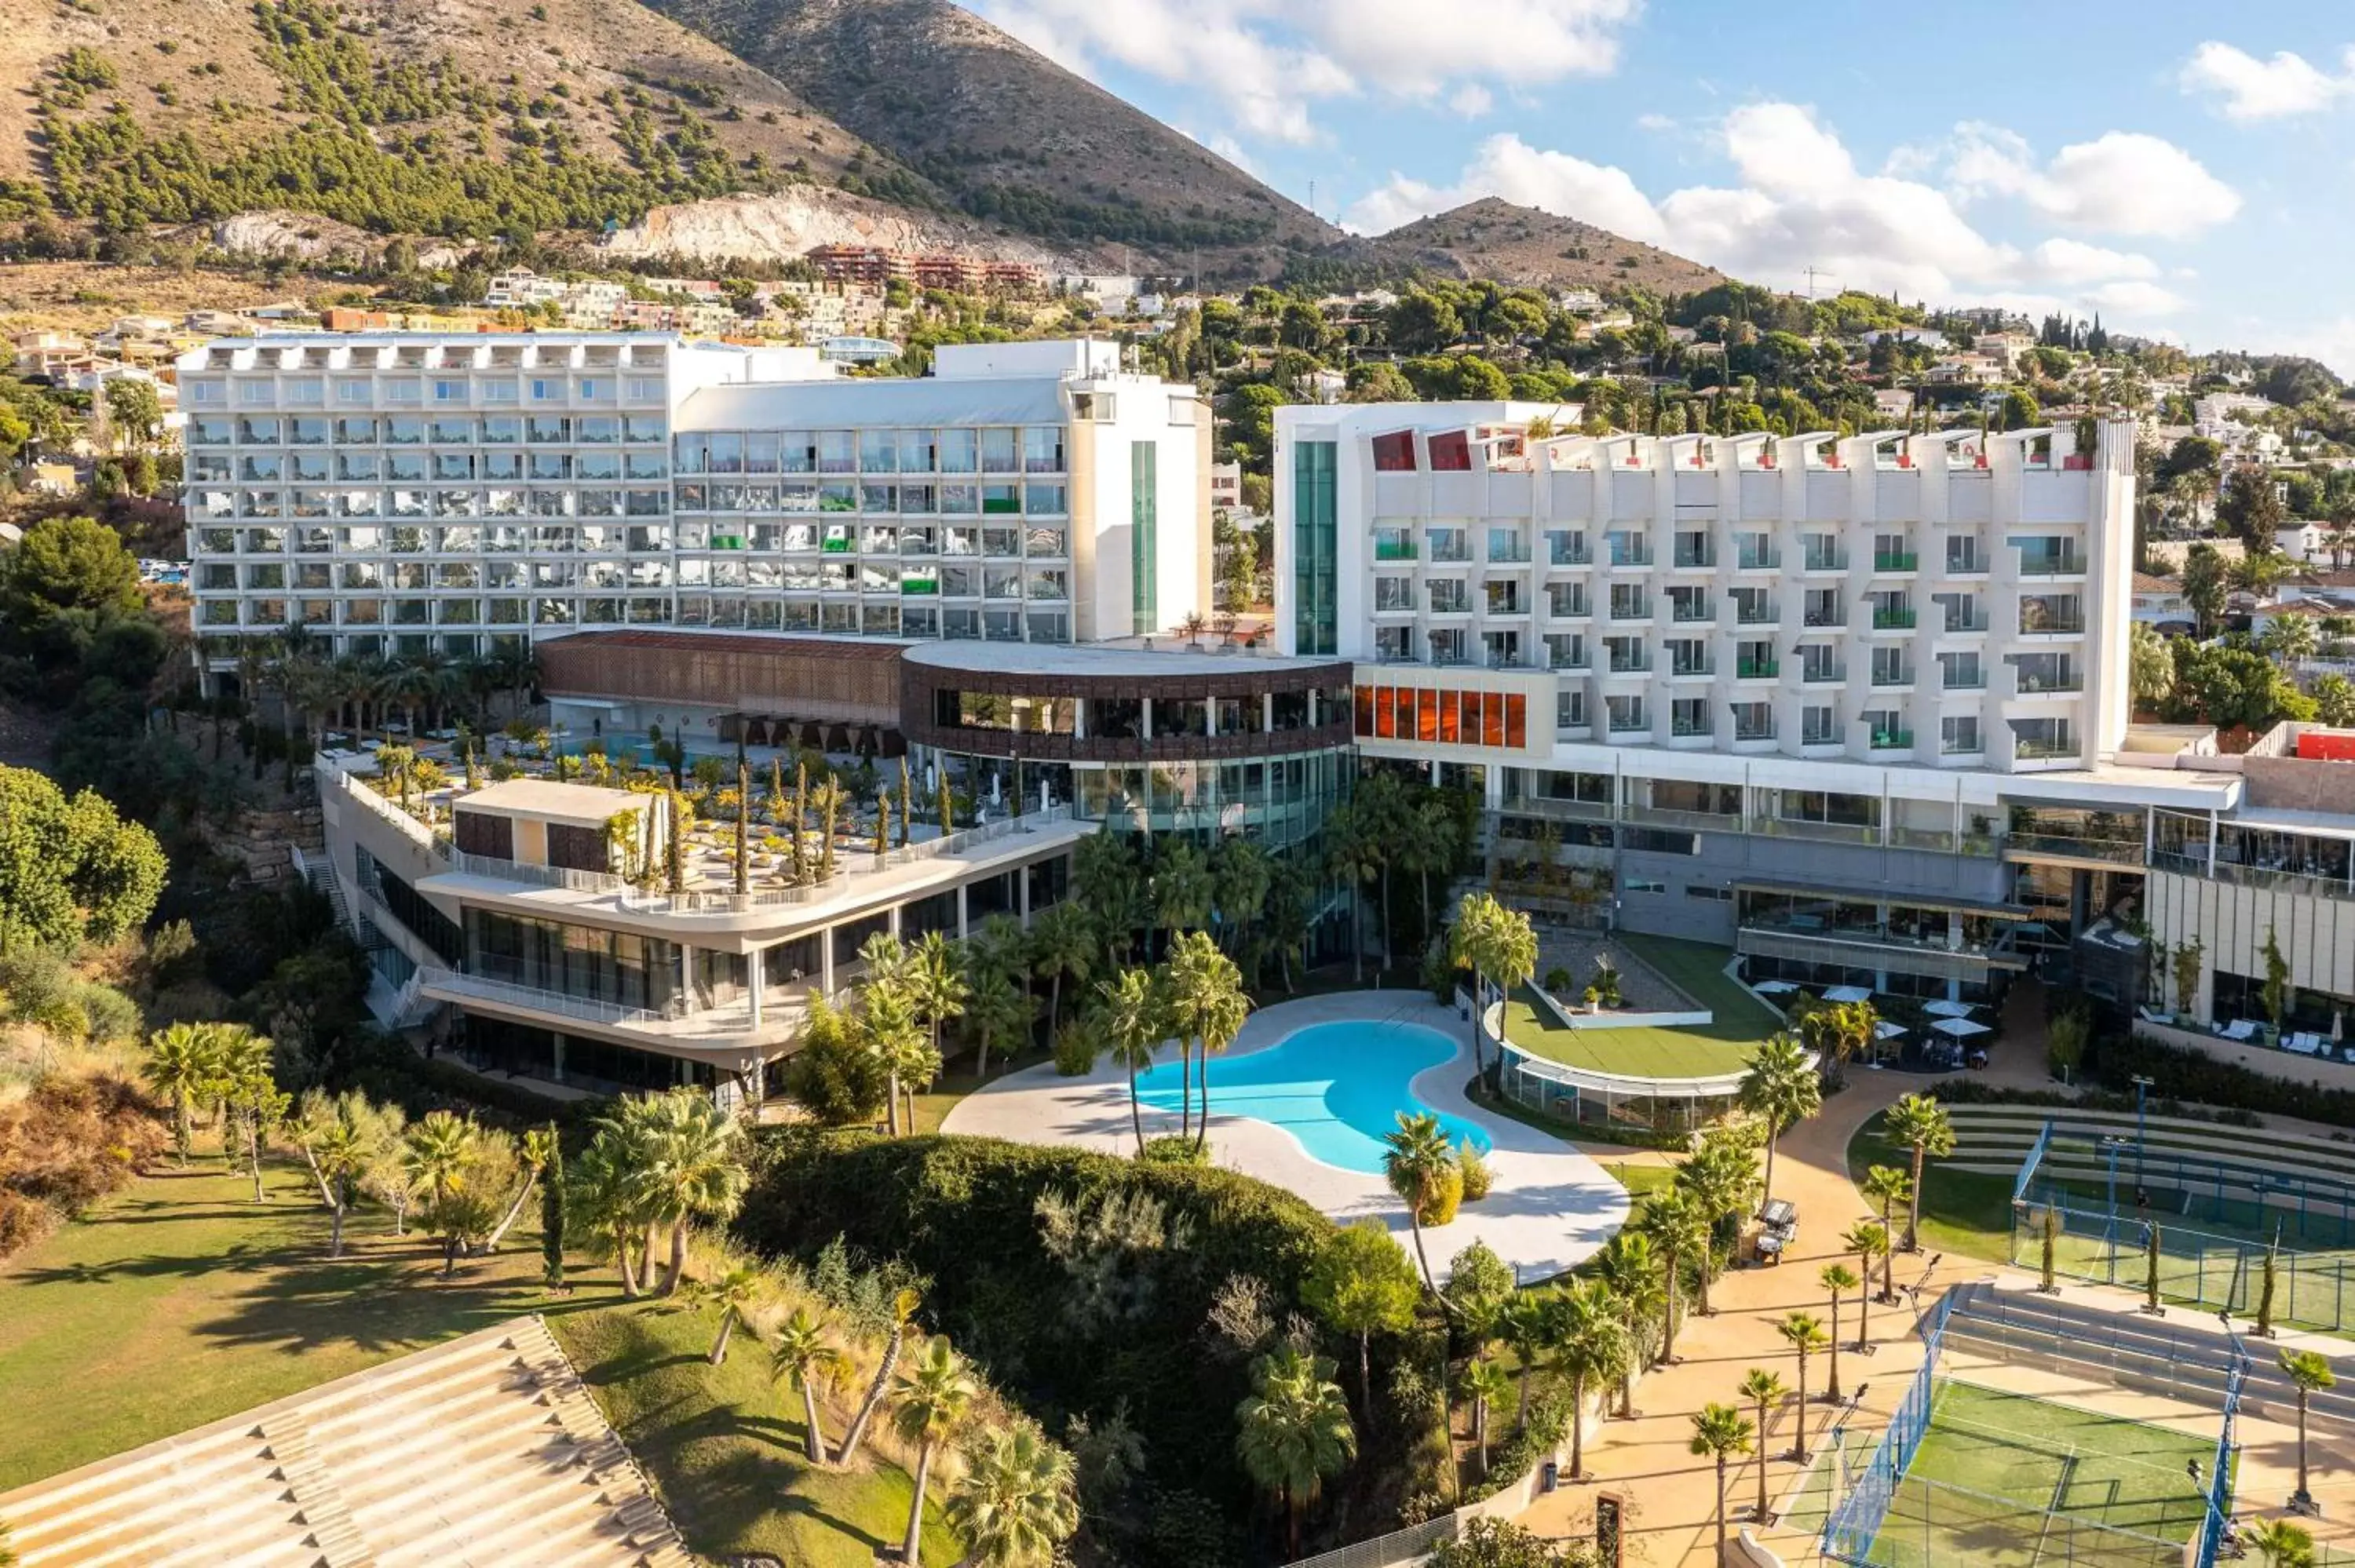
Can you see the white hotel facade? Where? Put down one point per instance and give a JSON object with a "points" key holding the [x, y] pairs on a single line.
{"points": [[404, 493], [1857, 707]]}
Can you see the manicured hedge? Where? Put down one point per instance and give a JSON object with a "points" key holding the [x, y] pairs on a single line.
{"points": [[2184, 1083], [961, 1211]]}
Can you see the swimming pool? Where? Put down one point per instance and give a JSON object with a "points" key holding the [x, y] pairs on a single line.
{"points": [[1338, 1087]]}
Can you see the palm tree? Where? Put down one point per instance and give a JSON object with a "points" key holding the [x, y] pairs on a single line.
{"points": [[1296, 1431], [1181, 886], [1921, 1124], [1804, 1332], [537, 1147], [1018, 1500], [1673, 1223], [1867, 1239], [1765, 1390], [1431, 842], [936, 986], [1350, 858], [733, 1292], [2280, 1542], [1887, 1186], [442, 1150], [1721, 1175], [934, 1397], [1590, 1344], [888, 1028], [1105, 876], [1836, 1277], [1416, 1167], [1001, 1013], [697, 1169], [337, 1137], [1204, 1002], [1381, 810], [1132, 1019], [1241, 875], [611, 1200], [1062, 942], [1781, 1089], [803, 1354], [1485, 1382], [1721, 1432], [1523, 1323], [1499, 946], [183, 1060], [2310, 1371], [1627, 1266], [903, 1312]]}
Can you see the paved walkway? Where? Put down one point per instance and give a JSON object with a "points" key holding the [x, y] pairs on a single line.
{"points": [[1551, 1206]]}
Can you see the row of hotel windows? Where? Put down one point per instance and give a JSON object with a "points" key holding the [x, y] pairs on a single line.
{"points": [[316, 468], [467, 576], [998, 449], [638, 538], [367, 391], [1011, 623], [1696, 550], [1444, 717], [1032, 500], [411, 431], [1135, 718]]}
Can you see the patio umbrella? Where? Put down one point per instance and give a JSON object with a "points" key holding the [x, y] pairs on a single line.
{"points": [[1884, 1030], [1773, 987], [1961, 1028], [1949, 1008], [1848, 993]]}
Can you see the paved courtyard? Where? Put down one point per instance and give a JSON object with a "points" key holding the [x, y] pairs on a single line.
{"points": [[1551, 1207]]}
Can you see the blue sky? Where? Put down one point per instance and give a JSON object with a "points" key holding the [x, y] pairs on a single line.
{"points": [[2185, 171]]}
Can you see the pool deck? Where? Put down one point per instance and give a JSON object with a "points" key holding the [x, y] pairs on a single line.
{"points": [[1551, 1209]]}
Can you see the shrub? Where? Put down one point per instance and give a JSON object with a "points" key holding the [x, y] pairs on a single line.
{"points": [[838, 1080], [1172, 1149], [1441, 1206], [1474, 1175], [964, 1213], [1556, 981], [1075, 1050], [111, 1015]]}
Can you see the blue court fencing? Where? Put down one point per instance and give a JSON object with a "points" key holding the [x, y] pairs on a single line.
{"points": [[1856, 1519]]}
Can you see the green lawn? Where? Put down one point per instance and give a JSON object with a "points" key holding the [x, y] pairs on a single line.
{"points": [[2020, 1459], [724, 1446], [1962, 1212], [179, 1301], [1722, 1045]]}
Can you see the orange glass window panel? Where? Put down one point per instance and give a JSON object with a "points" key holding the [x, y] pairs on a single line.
{"points": [[1426, 715], [1447, 734], [1471, 701], [1492, 712], [1385, 712], [1516, 731], [1365, 710]]}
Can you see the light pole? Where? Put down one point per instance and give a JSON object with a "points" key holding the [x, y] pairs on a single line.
{"points": [[2142, 1086], [2110, 1148]]}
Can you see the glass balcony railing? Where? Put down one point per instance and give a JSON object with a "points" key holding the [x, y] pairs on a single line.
{"points": [[1758, 561], [1887, 619], [1896, 561], [1825, 561], [1631, 664], [2044, 750], [1690, 668], [1756, 669], [1897, 677], [2051, 625], [1508, 555], [1758, 615], [1631, 555], [1965, 681], [2051, 566], [1692, 610], [1691, 557], [1561, 659], [1570, 555], [1754, 731], [1823, 674], [1892, 740], [1441, 551], [1394, 550], [1966, 623], [1686, 729], [2045, 685], [1824, 615]]}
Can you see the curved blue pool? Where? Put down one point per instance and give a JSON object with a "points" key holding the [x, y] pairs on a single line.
{"points": [[1338, 1087]]}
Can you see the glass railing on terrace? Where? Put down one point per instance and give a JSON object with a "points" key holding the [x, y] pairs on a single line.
{"points": [[1758, 560], [1686, 729], [1825, 561], [1758, 615], [1757, 669], [2045, 750], [1824, 615], [1964, 681], [1692, 667], [1633, 554], [1442, 550], [1694, 557], [1754, 731], [1977, 622], [1569, 659], [1890, 618], [2030, 684], [1900, 676], [1394, 550], [2065, 564], [1562, 555], [1692, 610], [1896, 561], [1824, 675], [1630, 663], [1892, 740]]}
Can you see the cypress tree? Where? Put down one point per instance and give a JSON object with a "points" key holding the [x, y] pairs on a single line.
{"points": [[551, 1213]]}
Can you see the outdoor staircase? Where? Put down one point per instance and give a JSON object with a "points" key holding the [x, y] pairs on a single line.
{"points": [[487, 1450]]}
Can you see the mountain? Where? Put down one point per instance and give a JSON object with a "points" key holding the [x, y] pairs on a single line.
{"points": [[1494, 238], [1008, 134]]}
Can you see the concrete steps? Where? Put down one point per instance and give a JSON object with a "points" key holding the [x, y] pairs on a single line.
{"points": [[487, 1452]]}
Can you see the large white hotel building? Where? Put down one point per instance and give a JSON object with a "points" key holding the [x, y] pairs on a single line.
{"points": [[1855, 708]]}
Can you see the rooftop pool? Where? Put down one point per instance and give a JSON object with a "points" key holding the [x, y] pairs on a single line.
{"points": [[1339, 1088]]}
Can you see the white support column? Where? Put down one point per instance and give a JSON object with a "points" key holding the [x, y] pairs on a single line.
{"points": [[754, 985], [964, 926], [826, 962]]}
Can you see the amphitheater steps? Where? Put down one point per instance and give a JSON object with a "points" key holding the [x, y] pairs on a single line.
{"points": [[486, 1452]]}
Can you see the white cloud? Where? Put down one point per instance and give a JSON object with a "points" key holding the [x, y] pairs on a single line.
{"points": [[2252, 88], [2124, 182], [1268, 62], [1655, 121], [1799, 200]]}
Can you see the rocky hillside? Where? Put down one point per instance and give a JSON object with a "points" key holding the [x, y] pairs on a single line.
{"points": [[1009, 135], [1494, 238]]}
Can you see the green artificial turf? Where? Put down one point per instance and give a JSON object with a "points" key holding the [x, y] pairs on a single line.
{"points": [[179, 1301], [724, 1446], [1738, 1023], [2025, 1479]]}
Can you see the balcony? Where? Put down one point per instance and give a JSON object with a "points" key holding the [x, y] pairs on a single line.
{"points": [[1505, 658], [1969, 565], [1756, 669], [2027, 685], [1964, 681], [1570, 555], [1892, 740], [1896, 561], [1695, 557], [1580, 660], [1688, 729], [1758, 615], [1452, 555], [1570, 608], [1823, 675], [1691, 612], [1824, 561], [1629, 665], [1891, 678], [1893, 619], [1692, 669], [1824, 615], [1754, 732], [1631, 555], [2052, 626], [1394, 550], [2044, 751], [1508, 555], [2052, 566], [1631, 609], [1962, 625], [1758, 561]]}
